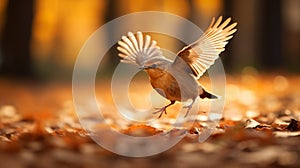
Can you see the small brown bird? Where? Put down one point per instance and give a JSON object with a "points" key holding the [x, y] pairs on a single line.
{"points": [[177, 80]]}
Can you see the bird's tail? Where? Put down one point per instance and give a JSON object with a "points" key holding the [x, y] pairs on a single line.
{"points": [[205, 94]]}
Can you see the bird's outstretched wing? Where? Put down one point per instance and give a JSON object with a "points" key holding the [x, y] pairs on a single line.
{"points": [[137, 49], [201, 54]]}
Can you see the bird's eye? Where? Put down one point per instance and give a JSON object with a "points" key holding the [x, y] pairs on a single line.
{"points": [[154, 66]]}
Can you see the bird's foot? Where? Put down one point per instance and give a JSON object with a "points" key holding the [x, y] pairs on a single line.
{"points": [[163, 109], [160, 110], [188, 109]]}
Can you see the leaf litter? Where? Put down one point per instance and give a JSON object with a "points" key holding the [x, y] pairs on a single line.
{"points": [[260, 128]]}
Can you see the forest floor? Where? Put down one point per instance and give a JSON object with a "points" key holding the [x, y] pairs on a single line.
{"points": [[260, 127]]}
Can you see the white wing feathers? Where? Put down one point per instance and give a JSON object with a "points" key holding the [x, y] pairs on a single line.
{"points": [[137, 50], [201, 54]]}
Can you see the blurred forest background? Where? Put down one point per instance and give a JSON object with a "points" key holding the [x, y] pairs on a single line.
{"points": [[41, 38]]}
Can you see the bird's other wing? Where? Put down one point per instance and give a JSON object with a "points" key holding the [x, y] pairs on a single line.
{"points": [[201, 54], [138, 49]]}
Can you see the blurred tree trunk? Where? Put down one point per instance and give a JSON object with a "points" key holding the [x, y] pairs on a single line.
{"points": [[271, 45], [291, 34], [228, 58], [112, 13], [242, 49], [193, 17], [15, 42]]}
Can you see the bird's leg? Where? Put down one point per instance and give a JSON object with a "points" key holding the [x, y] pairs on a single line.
{"points": [[163, 109], [188, 108]]}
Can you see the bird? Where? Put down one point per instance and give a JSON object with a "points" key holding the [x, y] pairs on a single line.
{"points": [[177, 80]]}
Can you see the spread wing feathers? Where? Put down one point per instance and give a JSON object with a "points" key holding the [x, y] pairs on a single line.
{"points": [[201, 54], [136, 49]]}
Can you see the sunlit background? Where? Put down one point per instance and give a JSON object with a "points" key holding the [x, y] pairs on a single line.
{"points": [[41, 38], [39, 44]]}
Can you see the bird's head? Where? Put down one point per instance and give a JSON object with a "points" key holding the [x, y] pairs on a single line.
{"points": [[148, 67], [155, 67], [155, 64]]}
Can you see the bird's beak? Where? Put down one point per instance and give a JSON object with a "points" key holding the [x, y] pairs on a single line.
{"points": [[144, 67]]}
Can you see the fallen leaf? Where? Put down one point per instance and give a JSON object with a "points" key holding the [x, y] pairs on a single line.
{"points": [[293, 126]]}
